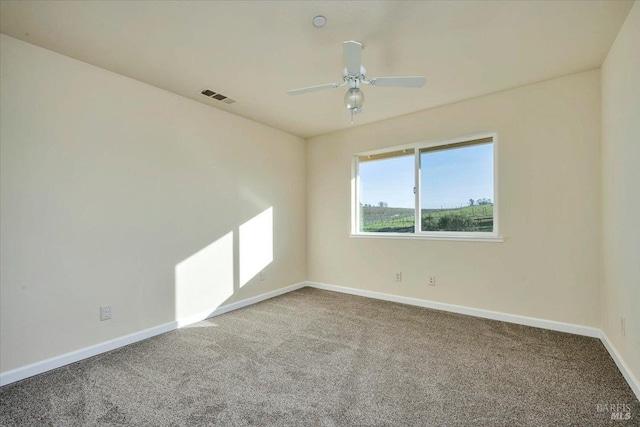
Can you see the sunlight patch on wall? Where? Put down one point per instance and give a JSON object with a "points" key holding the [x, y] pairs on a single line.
{"points": [[205, 279], [256, 245]]}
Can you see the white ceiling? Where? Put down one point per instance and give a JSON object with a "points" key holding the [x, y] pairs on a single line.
{"points": [[255, 51]]}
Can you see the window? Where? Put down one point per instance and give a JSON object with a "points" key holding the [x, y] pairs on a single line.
{"points": [[386, 192], [443, 190]]}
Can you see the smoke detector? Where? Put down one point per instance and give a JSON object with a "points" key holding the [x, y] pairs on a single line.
{"points": [[319, 21]]}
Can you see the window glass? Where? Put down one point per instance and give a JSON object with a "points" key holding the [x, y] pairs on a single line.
{"points": [[456, 188], [387, 201]]}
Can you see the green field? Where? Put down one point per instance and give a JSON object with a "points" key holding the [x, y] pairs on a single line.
{"points": [[402, 220]]}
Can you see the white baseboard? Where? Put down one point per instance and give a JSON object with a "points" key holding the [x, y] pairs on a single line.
{"points": [[27, 371], [511, 318], [236, 305], [624, 369], [487, 314], [17, 374], [23, 372]]}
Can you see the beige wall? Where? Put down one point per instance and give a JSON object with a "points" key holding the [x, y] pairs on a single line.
{"points": [[621, 191], [108, 184], [549, 203]]}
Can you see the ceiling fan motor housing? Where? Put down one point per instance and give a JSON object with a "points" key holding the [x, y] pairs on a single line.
{"points": [[352, 79]]}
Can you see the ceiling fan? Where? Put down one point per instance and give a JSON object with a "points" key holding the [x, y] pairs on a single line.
{"points": [[354, 75]]}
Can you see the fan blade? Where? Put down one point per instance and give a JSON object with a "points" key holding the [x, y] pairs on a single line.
{"points": [[313, 88], [352, 57], [413, 81]]}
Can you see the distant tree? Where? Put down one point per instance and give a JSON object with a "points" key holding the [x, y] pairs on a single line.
{"points": [[471, 202], [484, 201], [382, 204]]}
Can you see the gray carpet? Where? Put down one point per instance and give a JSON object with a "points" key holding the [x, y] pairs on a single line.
{"points": [[313, 357]]}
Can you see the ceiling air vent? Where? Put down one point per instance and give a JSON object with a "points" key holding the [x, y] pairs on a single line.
{"points": [[217, 96]]}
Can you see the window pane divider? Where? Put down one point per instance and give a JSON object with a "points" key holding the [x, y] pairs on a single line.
{"points": [[418, 214]]}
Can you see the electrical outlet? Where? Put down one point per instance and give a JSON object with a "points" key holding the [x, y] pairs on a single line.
{"points": [[105, 312], [398, 277], [431, 280], [623, 326], [261, 276]]}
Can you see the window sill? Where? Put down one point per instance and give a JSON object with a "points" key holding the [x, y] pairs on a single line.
{"points": [[446, 237]]}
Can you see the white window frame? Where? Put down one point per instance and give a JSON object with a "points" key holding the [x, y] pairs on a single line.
{"points": [[481, 236]]}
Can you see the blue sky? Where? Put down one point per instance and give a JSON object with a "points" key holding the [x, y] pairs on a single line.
{"points": [[449, 178]]}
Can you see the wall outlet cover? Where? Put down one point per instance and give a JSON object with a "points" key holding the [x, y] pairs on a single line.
{"points": [[105, 312]]}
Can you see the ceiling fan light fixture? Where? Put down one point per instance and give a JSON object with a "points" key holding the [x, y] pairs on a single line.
{"points": [[354, 98]]}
